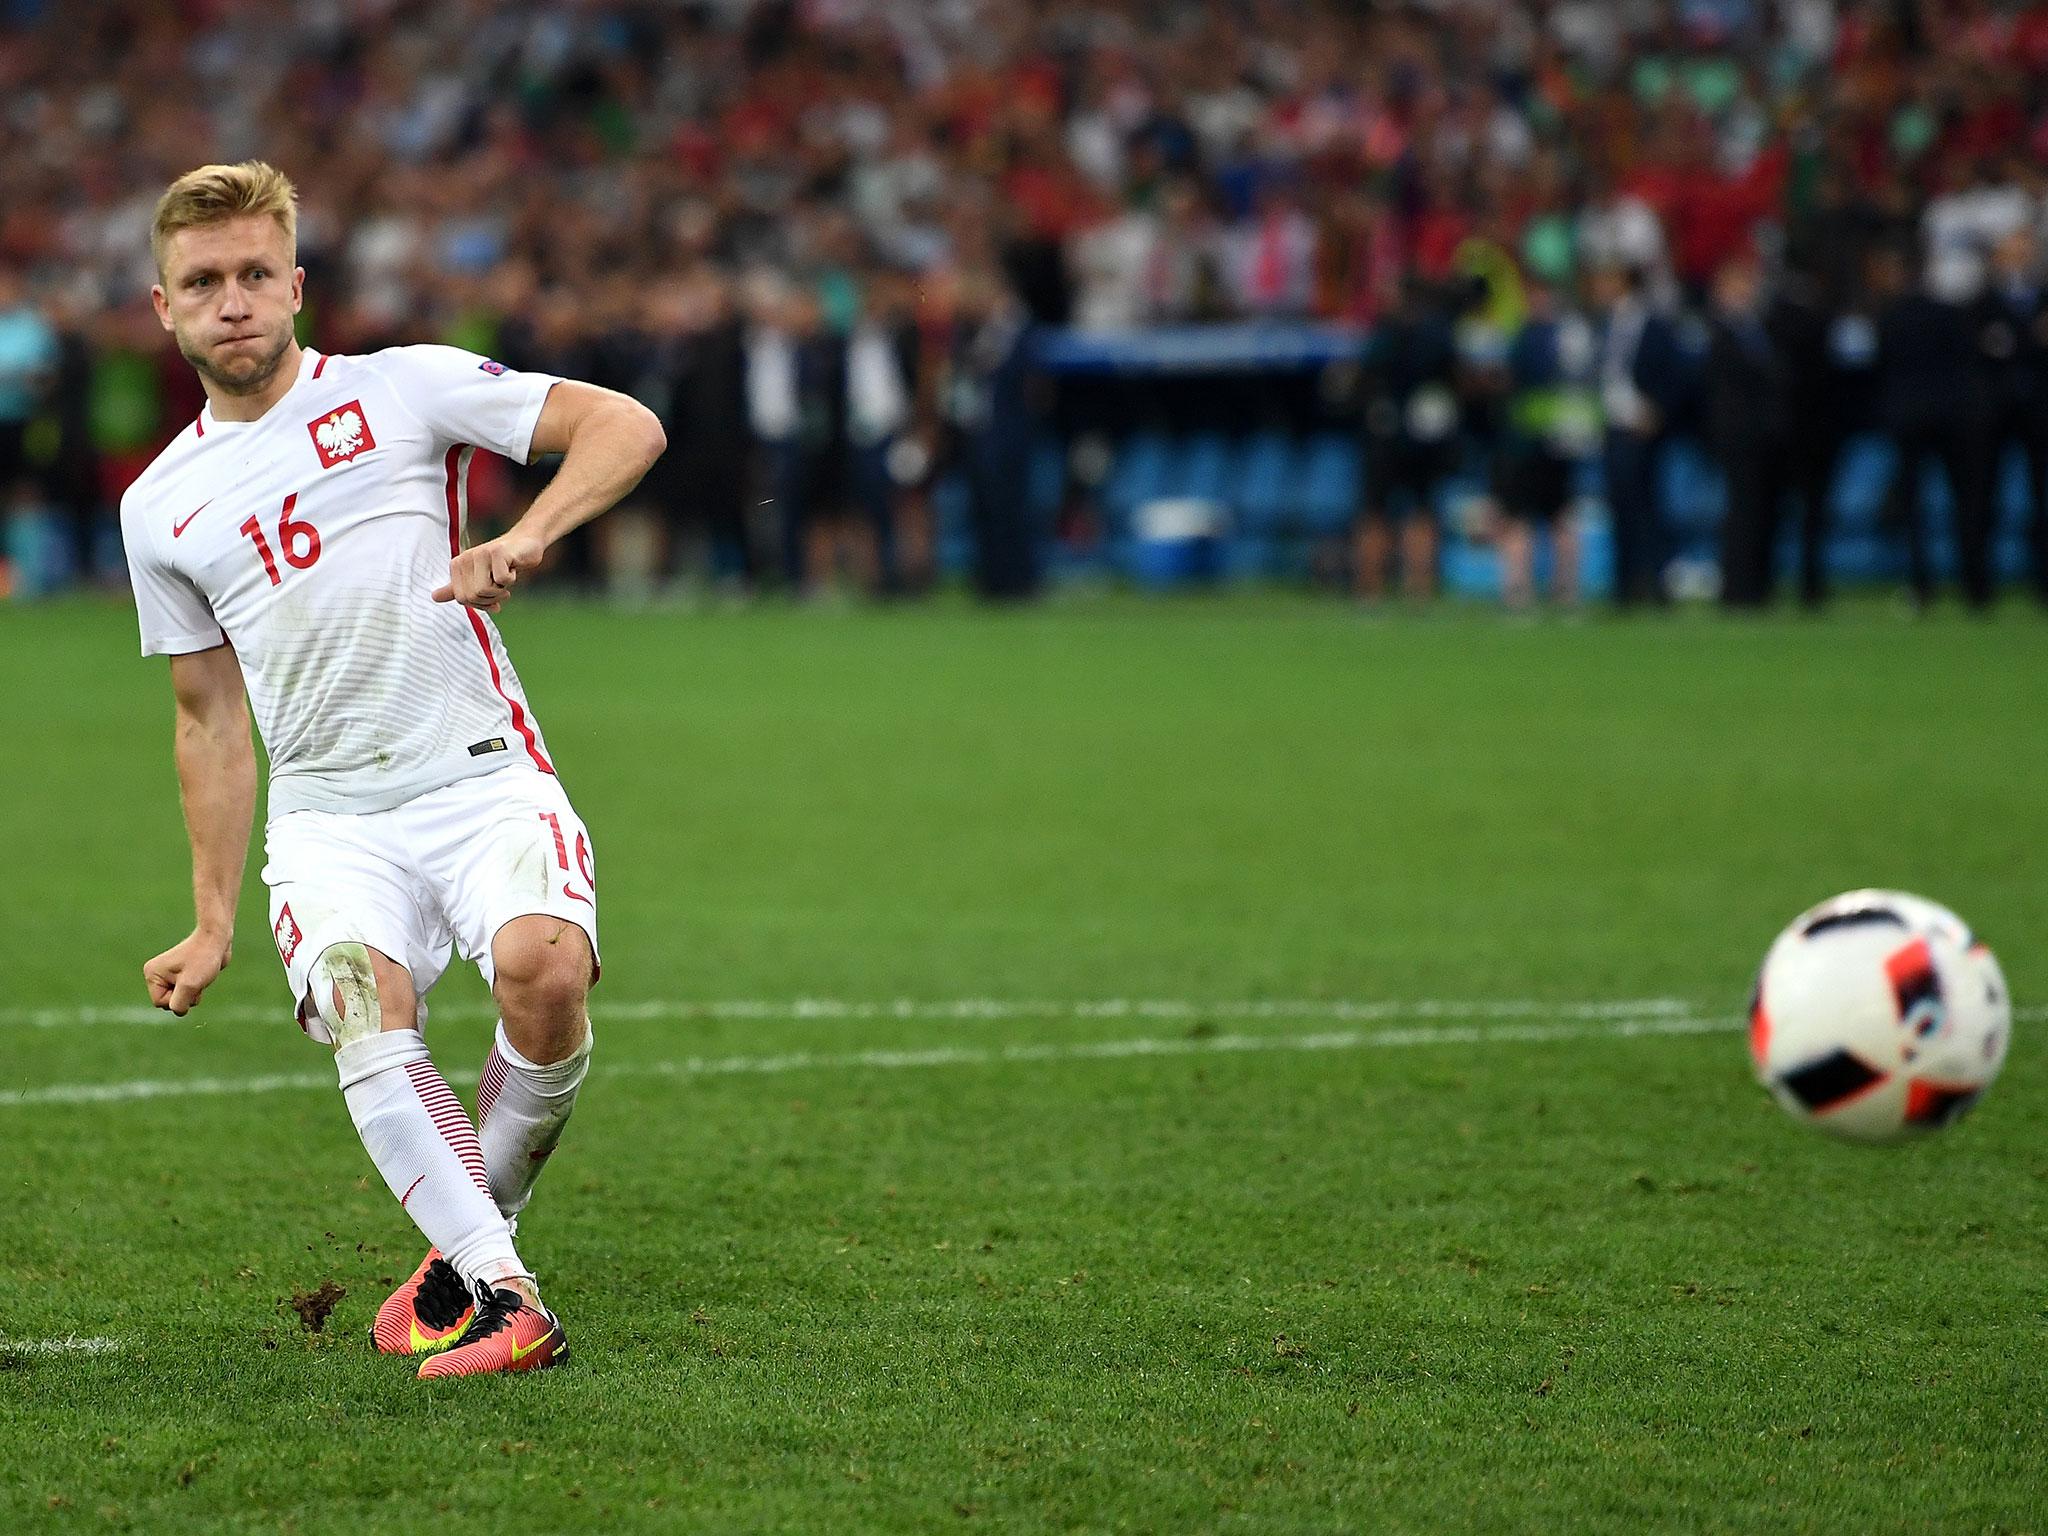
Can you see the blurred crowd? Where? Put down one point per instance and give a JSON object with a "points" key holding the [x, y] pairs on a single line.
{"points": [[818, 236]]}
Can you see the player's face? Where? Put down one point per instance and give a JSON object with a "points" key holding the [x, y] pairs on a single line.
{"points": [[228, 296]]}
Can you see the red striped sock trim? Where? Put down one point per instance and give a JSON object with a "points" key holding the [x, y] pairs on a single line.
{"points": [[490, 1085], [446, 1111]]}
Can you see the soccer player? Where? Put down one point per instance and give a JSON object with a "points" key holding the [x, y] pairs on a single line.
{"points": [[301, 544]]}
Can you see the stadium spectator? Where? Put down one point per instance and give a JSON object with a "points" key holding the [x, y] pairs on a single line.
{"points": [[1823, 405], [67, 462], [2009, 328], [1553, 426], [697, 385], [1411, 422], [989, 410], [775, 412], [1641, 379], [826, 534], [1131, 165], [881, 375], [1929, 398], [28, 364], [1750, 420], [1271, 256]]}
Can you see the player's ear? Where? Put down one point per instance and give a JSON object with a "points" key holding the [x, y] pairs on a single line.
{"points": [[298, 289], [161, 303]]}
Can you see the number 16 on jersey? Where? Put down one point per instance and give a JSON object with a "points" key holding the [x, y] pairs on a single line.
{"points": [[289, 534]]}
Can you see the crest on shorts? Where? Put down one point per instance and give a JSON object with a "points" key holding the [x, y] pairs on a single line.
{"points": [[341, 434], [491, 366], [287, 934]]}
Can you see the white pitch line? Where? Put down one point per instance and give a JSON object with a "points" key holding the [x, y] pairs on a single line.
{"points": [[177, 1088], [940, 1056], [1179, 1045], [70, 1344], [952, 1010]]}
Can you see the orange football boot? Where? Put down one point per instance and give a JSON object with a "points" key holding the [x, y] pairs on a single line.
{"points": [[508, 1333], [426, 1314]]}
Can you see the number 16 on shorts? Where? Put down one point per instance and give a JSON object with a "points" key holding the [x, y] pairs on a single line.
{"points": [[581, 869]]}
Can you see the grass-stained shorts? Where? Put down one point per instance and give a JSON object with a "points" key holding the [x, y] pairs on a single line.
{"points": [[438, 875]]}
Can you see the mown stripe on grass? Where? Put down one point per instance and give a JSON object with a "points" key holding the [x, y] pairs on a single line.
{"points": [[939, 1056]]}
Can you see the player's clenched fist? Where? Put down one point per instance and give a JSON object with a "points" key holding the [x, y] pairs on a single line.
{"points": [[483, 577], [178, 975]]}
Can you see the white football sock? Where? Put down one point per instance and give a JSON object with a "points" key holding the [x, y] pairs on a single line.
{"points": [[421, 1141], [521, 1108]]}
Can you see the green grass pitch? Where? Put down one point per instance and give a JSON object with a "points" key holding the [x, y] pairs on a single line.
{"points": [[1075, 1239]]}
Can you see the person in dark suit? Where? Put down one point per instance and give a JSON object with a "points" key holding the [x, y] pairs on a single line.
{"points": [[71, 473], [2009, 335], [990, 414], [1642, 382], [1828, 400], [1413, 413], [1750, 425], [881, 396], [699, 361], [1826, 319], [555, 336], [1930, 396], [770, 346], [829, 528]]}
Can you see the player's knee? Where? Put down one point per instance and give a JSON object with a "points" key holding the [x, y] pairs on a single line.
{"points": [[355, 996], [542, 968]]}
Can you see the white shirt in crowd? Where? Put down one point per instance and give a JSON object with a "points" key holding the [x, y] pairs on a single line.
{"points": [[877, 398], [772, 407], [1958, 230]]}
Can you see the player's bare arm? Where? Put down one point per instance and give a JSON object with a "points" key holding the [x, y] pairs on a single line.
{"points": [[217, 787], [607, 441]]}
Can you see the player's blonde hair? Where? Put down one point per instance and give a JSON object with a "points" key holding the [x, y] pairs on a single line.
{"points": [[215, 193]]}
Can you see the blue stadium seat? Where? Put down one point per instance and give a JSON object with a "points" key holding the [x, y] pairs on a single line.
{"points": [[1327, 483], [1139, 473], [1206, 469], [1263, 490]]}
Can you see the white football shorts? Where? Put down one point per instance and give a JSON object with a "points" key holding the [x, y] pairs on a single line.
{"points": [[438, 875]]}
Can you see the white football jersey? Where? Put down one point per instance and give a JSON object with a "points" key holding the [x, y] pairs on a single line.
{"points": [[312, 539]]}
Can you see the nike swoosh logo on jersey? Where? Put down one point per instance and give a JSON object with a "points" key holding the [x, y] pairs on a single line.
{"points": [[178, 528]]}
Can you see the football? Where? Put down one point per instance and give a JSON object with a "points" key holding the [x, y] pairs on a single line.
{"points": [[1878, 1015]]}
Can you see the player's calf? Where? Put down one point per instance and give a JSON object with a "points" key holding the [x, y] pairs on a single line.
{"points": [[540, 1056], [413, 1127]]}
